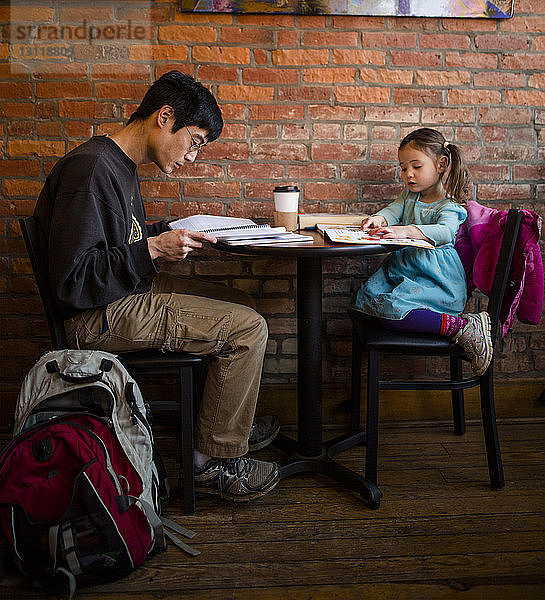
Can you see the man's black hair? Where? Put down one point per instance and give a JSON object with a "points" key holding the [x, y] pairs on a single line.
{"points": [[193, 104]]}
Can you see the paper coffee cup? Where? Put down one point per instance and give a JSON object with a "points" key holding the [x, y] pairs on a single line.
{"points": [[286, 206], [286, 198]]}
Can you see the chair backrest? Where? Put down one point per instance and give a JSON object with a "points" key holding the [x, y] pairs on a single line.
{"points": [[503, 269], [38, 259]]}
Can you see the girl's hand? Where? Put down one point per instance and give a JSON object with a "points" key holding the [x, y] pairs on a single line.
{"points": [[402, 231], [373, 222]]}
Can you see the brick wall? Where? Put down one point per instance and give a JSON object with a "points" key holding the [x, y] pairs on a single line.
{"points": [[319, 101]]}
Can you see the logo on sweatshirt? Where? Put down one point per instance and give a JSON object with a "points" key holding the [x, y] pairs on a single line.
{"points": [[136, 231]]}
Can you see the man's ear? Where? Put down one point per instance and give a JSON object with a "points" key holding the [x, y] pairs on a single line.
{"points": [[164, 114]]}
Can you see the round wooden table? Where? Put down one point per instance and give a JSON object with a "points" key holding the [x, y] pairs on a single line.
{"points": [[308, 453]]}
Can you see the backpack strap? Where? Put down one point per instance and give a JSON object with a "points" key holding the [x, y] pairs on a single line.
{"points": [[176, 540], [53, 367]]}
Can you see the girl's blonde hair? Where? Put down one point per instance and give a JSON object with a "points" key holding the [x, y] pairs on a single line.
{"points": [[432, 142]]}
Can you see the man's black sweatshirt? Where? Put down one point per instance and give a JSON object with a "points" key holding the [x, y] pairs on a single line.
{"points": [[93, 222]]}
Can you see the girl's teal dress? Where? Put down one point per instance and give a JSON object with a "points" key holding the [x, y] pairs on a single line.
{"points": [[411, 277]]}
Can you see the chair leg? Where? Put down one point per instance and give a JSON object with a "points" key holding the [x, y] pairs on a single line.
{"points": [[493, 455], [371, 425], [187, 443], [458, 411], [355, 393]]}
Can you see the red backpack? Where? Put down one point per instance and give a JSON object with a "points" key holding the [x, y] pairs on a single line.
{"points": [[79, 487]]}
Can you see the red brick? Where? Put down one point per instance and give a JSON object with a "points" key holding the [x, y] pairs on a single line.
{"points": [[16, 90], [129, 72], [61, 71], [245, 93], [131, 91], [393, 76], [211, 189], [156, 209], [246, 36], [470, 60], [329, 75], [22, 187], [198, 170], [447, 115], [504, 115], [277, 112], [252, 210], [489, 172], [311, 171], [270, 76], [260, 56], [295, 131], [529, 172], [299, 57], [360, 94], [444, 40], [29, 168], [509, 152], [255, 171], [233, 111], [443, 78], [499, 79], [418, 96], [327, 131], [78, 129], [344, 151], [503, 191], [525, 98], [522, 61], [384, 193], [335, 113], [347, 22], [393, 114], [158, 52], [17, 109], [20, 129], [416, 59], [287, 39], [502, 42], [363, 172], [494, 134], [474, 97], [189, 33], [382, 152], [264, 131], [523, 23], [329, 39], [388, 40], [304, 94], [280, 151], [35, 147], [330, 191], [82, 89], [259, 189], [235, 131], [217, 73], [225, 55], [162, 189], [228, 150], [49, 129]]}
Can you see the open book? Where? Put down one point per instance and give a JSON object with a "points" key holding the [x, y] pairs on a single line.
{"points": [[355, 235], [238, 231]]}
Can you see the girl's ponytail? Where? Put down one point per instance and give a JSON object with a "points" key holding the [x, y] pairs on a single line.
{"points": [[457, 183]]}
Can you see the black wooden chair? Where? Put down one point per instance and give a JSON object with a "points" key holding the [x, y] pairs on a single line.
{"points": [[370, 336], [140, 364]]}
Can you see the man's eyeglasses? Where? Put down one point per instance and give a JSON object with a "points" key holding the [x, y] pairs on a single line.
{"points": [[195, 145]]}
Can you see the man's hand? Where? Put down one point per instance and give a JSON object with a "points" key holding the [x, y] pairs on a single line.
{"points": [[373, 222], [177, 244]]}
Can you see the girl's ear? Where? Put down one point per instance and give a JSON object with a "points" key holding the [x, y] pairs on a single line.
{"points": [[442, 164]]}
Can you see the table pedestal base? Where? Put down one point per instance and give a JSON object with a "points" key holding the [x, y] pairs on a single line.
{"points": [[323, 463]]}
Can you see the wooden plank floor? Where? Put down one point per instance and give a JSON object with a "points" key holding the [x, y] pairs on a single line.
{"points": [[441, 531]]}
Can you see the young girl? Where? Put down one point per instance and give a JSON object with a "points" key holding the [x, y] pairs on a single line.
{"points": [[419, 289]]}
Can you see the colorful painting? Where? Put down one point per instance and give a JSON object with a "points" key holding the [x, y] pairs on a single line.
{"points": [[491, 9]]}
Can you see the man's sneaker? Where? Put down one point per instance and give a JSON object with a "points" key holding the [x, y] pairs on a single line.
{"points": [[238, 479], [263, 431], [475, 339]]}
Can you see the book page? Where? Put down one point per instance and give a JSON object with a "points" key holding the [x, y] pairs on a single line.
{"points": [[348, 235], [210, 223]]}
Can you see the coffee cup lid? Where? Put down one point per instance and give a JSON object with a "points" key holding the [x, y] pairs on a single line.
{"points": [[286, 188]]}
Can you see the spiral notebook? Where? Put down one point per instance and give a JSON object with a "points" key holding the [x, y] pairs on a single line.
{"points": [[234, 229]]}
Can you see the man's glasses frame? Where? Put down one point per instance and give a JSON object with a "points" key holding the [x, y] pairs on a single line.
{"points": [[195, 146]]}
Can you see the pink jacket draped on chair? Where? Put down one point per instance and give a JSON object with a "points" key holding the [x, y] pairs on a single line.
{"points": [[478, 243]]}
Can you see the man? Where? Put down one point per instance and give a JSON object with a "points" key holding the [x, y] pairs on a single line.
{"points": [[103, 269]]}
